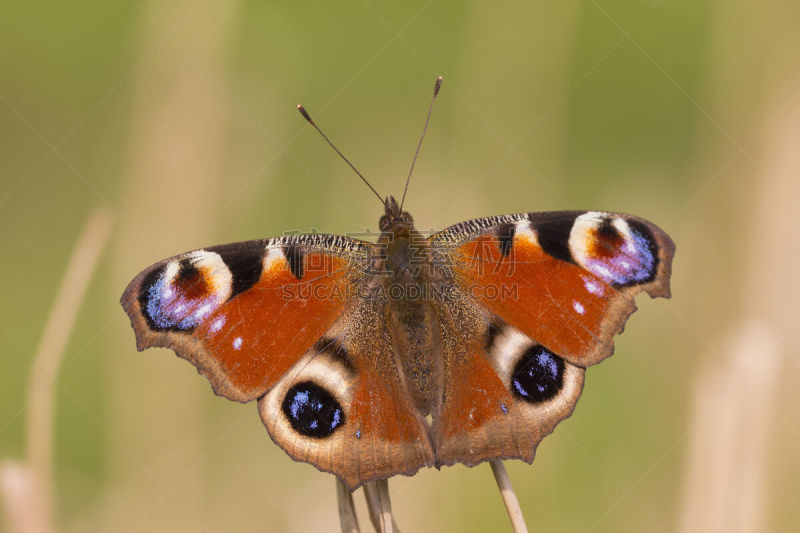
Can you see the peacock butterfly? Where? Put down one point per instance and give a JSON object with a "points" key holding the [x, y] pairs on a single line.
{"points": [[375, 359]]}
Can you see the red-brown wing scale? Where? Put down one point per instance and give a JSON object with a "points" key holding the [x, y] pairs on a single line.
{"points": [[245, 313], [291, 322], [492, 408], [566, 279], [535, 298], [377, 433]]}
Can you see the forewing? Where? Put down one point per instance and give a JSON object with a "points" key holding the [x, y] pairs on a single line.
{"points": [[566, 278], [245, 313]]}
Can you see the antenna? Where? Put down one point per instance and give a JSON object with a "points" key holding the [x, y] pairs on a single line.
{"points": [[308, 118], [424, 129]]}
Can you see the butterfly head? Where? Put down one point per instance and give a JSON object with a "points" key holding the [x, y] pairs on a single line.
{"points": [[394, 220]]}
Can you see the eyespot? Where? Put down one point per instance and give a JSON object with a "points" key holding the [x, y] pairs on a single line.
{"points": [[181, 294], [619, 251], [538, 375], [312, 411]]}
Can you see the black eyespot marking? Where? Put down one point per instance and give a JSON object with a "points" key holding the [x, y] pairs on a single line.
{"points": [[538, 376], [505, 237], [607, 231], [245, 263], [553, 234], [492, 331], [312, 411], [186, 271], [336, 351], [294, 256]]}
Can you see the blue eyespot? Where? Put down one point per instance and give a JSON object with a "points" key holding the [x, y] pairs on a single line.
{"points": [[180, 302], [624, 260], [312, 411], [538, 376]]}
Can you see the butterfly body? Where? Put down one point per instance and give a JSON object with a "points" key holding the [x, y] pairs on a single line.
{"points": [[370, 360], [407, 279]]}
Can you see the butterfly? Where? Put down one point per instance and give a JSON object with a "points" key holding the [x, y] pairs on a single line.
{"points": [[369, 360]]}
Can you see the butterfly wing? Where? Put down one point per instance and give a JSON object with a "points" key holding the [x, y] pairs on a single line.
{"points": [[503, 393], [535, 299], [343, 407], [566, 278], [245, 313], [290, 321]]}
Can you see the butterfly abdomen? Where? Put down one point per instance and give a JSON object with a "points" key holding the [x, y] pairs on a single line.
{"points": [[417, 341], [409, 285]]}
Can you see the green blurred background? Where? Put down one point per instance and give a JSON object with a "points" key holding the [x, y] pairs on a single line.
{"points": [[178, 118]]}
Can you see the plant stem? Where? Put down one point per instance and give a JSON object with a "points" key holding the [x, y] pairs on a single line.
{"points": [[59, 325], [380, 506], [509, 497], [347, 510], [387, 522]]}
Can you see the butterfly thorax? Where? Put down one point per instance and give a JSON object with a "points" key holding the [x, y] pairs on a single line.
{"points": [[404, 271]]}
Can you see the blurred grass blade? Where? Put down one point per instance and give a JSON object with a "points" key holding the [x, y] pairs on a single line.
{"points": [[22, 505], [27, 488], [724, 487]]}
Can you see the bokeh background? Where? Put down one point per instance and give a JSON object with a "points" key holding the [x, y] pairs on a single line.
{"points": [[177, 121]]}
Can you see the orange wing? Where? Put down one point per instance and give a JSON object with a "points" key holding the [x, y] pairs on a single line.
{"points": [[566, 279], [291, 322], [343, 406], [503, 394], [245, 313], [534, 299]]}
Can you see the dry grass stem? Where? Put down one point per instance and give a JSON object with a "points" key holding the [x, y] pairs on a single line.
{"points": [[21, 506], [724, 482], [371, 497], [41, 400], [347, 510], [379, 505], [173, 194], [387, 521], [27, 488], [509, 497]]}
